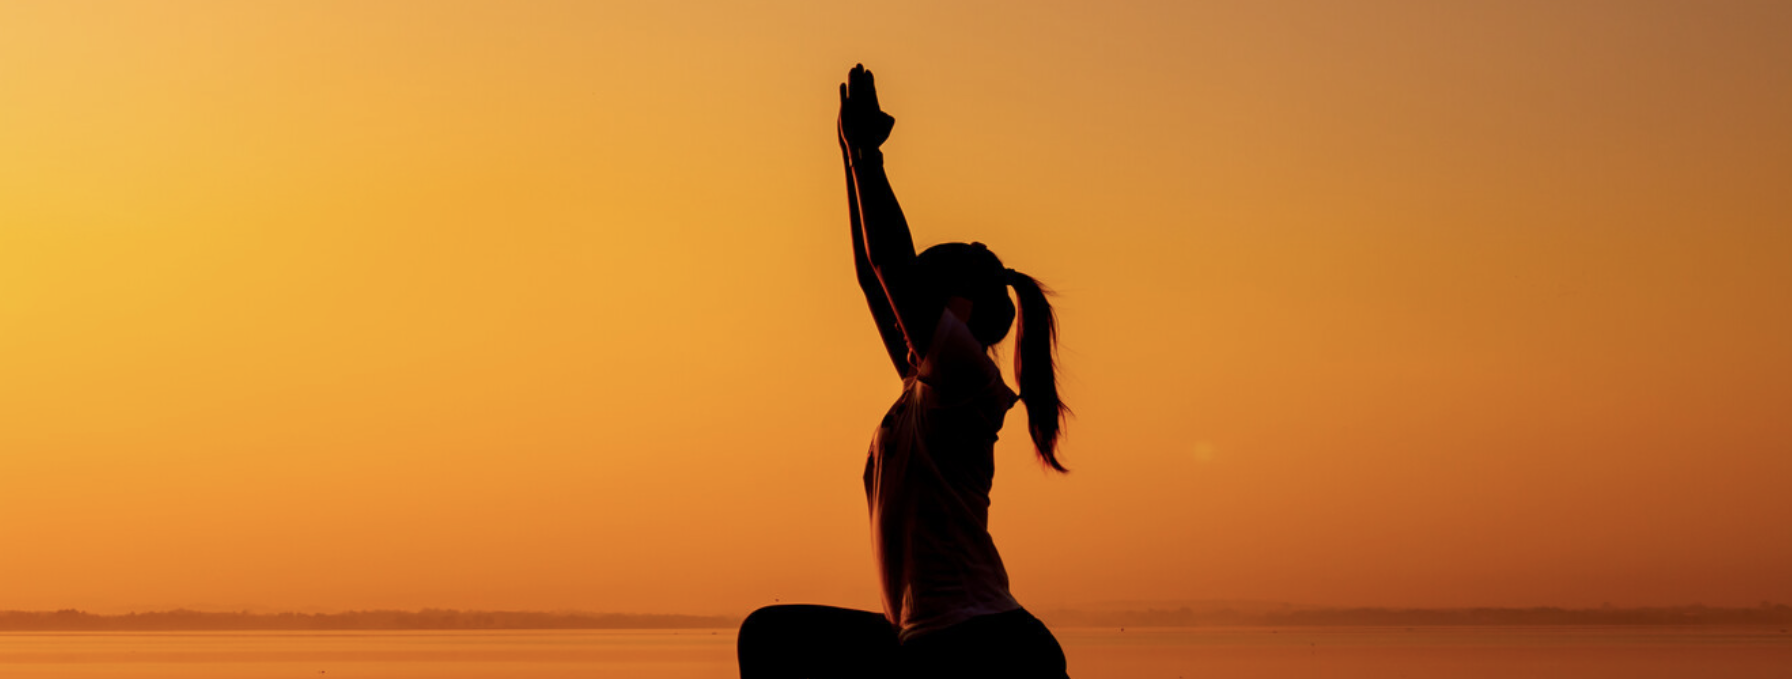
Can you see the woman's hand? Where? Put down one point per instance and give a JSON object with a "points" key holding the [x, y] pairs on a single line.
{"points": [[863, 126]]}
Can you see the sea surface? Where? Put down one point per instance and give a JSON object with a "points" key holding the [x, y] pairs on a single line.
{"points": [[1142, 653]]}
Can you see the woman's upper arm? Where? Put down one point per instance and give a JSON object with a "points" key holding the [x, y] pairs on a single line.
{"points": [[888, 330], [905, 298]]}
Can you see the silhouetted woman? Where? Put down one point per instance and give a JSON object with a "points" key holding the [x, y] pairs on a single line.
{"points": [[947, 610]]}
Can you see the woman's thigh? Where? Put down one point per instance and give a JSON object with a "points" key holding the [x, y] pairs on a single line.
{"points": [[817, 642]]}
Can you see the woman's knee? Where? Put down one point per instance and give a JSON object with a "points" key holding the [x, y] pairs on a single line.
{"points": [[767, 644], [764, 623]]}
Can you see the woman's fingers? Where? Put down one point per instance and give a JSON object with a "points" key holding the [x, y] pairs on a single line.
{"points": [[858, 81], [861, 120], [864, 88], [861, 86]]}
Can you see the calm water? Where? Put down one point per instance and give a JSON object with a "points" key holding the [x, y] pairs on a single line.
{"points": [[1538, 652]]}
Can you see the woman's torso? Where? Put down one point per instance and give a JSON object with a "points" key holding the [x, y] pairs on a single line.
{"points": [[927, 481]]}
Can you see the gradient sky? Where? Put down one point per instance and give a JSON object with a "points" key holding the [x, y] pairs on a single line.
{"points": [[322, 305]]}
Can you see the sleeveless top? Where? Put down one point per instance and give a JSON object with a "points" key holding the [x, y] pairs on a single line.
{"points": [[927, 483]]}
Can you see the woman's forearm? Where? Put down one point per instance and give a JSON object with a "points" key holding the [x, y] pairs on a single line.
{"points": [[860, 258], [888, 244]]}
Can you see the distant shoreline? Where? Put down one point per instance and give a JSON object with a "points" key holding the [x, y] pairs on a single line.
{"points": [[70, 620], [182, 620], [1424, 617]]}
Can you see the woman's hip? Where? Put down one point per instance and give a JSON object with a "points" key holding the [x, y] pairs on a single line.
{"points": [[1008, 644]]}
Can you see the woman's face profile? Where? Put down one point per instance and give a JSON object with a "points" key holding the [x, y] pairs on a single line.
{"points": [[989, 318]]}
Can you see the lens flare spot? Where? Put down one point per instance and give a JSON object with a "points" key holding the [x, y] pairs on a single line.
{"points": [[1204, 451]]}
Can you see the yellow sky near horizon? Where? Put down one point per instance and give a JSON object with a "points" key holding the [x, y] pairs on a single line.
{"points": [[550, 305]]}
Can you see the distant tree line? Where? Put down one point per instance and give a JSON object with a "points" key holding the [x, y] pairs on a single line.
{"points": [[1765, 614], [426, 619]]}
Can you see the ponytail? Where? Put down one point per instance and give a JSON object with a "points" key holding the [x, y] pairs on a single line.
{"points": [[1035, 344]]}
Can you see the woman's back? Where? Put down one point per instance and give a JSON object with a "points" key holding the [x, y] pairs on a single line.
{"points": [[927, 481]]}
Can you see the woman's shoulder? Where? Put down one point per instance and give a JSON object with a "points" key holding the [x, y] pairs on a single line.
{"points": [[953, 349], [958, 369]]}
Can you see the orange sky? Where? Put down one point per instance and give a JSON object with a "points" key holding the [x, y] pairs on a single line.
{"points": [[550, 305]]}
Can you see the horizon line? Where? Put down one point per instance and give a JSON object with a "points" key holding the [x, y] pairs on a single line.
{"points": [[75, 620]]}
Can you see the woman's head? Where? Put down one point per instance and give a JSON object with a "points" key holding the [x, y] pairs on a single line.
{"points": [[971, 271]]}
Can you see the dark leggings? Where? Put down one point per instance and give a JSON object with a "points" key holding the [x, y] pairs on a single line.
{"points": [[824, 642]]}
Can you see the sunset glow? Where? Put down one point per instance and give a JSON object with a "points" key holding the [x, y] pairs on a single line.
{"points": [[549, 305]]}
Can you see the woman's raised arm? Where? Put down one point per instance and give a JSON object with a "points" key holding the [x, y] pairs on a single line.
{"points": [[888, 246], [875, 297]]}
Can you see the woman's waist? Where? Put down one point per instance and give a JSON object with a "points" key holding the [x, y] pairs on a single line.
{"points": [[928, 617]]}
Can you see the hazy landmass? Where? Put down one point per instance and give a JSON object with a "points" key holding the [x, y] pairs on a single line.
{"points": [[1208, 615], [1288, 615], [426, 619]]}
